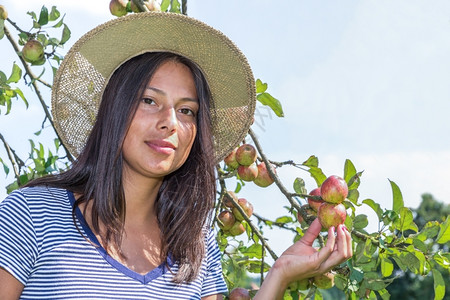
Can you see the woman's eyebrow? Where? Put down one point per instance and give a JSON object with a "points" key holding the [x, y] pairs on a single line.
{"points": [[161, 92]]}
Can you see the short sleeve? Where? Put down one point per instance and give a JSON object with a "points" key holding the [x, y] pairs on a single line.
{"points": [[214, 282], [18, 246]]}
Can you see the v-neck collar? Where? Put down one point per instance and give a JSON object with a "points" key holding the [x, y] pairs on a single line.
{"points": [[153, 274]]}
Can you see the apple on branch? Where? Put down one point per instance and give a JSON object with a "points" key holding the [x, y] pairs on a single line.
{"points": [[236, 229], [315, 203], [334, 189], [246, 206], [118, 8], [263, 179], [230, 160], [331, 214], [248, 173], [33, 52], [246, 155], [226, 219]]}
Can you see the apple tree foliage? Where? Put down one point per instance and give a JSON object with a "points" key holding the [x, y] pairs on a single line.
{"points": [[398, 242]]}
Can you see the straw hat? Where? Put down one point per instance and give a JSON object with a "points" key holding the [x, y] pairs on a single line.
{"points": [[87, 67]]}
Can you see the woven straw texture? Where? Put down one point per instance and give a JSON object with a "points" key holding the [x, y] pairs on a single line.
{"points": [[87, 67]]}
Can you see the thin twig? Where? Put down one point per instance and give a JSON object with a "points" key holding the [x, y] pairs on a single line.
{"points": [[280, 225], [15, 160]]}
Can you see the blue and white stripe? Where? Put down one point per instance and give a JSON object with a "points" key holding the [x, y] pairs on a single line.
{"points": [[41, 247]]}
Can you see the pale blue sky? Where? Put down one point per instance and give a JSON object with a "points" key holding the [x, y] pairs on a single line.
{"points": [[364, 80]]}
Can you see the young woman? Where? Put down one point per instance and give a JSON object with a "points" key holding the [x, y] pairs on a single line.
{"points": [[130, 218]]}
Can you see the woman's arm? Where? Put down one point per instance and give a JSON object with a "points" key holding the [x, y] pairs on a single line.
{"points": [[10, 287], [301, 260]]}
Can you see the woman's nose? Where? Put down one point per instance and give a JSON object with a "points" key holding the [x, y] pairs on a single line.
{"points": [[168, 119]]}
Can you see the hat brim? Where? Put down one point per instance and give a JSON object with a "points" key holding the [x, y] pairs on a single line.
{"points": [[87, 67]]}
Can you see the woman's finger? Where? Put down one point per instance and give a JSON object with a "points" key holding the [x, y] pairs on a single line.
{"points": [[326, 251], [312, 233]]}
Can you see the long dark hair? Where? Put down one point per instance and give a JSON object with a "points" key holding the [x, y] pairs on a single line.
{"points": [[186, 196]]}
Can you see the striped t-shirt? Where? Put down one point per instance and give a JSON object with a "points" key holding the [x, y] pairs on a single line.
{"points": [[41, 247]]}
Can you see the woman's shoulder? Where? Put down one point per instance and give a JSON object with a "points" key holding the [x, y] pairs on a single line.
{"points": [[38, 196]]}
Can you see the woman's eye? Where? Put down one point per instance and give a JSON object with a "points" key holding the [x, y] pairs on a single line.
{"points": [[148, 101], [187, 111]]}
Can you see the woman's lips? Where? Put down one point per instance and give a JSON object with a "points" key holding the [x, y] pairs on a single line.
{"points": [[161, 146]]}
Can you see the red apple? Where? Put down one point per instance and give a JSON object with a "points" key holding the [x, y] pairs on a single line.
{"points": [[315, 203], [246, 155], [236, 229], [308, 210], [227, 219], [324, 281], [248, 173], [246, 206], [231, 161], [118, 8], [330, 214], [239, 294], [33, 51], [334, 189], [263, 178]]}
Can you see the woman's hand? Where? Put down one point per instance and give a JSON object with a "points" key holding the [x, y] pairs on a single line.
{"points": [[301, 260]]}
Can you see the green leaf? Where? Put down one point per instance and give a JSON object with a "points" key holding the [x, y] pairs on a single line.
{"points": [[397, 197], [420, 245], [375, 206], [43, 16], [444, 233], [360, 222], [5, 167], [299, 186], [312, 161], [65, 35], [175, 6], [54, 14], [349, 170], [284, 219], [406, 220], [375, 284], [439, 285], [318, 175], [273, 103], [355, 181], [260, 86], [255, 250], [16, 73], [60, 23], [387, 267], [3, 78], [441, 260], [353, 196], [20, 93], [33, 15], [165, 5], [430, 230], [384, 294], [254, 266]]}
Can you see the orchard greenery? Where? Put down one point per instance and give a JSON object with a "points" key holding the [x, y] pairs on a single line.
{"points": [[398, 242]]}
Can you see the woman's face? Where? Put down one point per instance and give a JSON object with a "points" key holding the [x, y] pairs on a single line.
{"points": [[163, 129]]}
